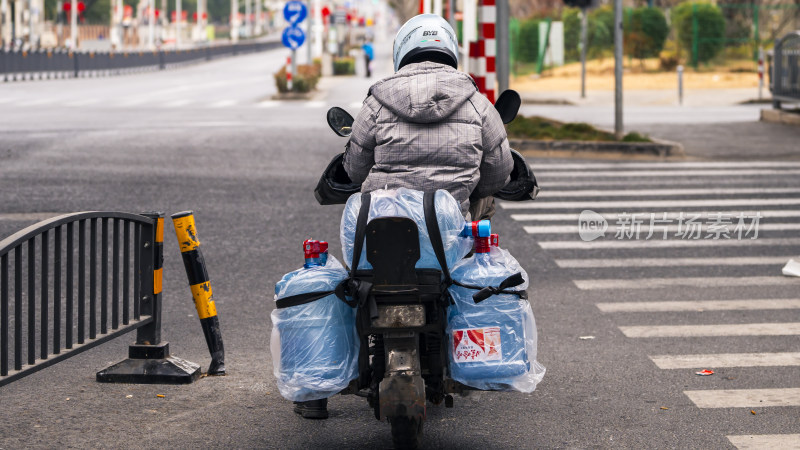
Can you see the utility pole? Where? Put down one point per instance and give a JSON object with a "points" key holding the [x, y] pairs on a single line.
{"points": [[234, 21], [31, 37], [309, 28], [584, 26], [73, 25], [503, 48], [259, 29], [178, 17], [451, 14], [151, 25], [618, 129]]}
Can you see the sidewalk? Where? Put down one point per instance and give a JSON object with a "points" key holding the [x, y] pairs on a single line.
{"points": [[711, 123]]}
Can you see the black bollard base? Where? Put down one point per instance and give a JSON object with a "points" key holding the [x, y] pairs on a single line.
{"points": [[150, 364]]}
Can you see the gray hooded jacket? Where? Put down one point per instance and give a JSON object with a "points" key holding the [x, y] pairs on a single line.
{"points": [[427, 127]]}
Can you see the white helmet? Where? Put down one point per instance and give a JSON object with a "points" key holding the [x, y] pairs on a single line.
{"points": [[429, 35]]}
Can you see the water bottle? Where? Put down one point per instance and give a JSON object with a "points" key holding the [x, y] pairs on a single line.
{"points": [[408, 203], [314, 345], [488, 340]]}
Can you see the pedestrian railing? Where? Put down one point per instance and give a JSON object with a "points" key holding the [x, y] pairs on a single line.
{"points": [[62, 293], [18, 65], [784, 80]]}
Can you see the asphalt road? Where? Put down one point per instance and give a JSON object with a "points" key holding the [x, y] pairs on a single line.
{"points": [[611, 314]]}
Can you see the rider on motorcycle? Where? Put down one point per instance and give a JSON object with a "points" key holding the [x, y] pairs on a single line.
{"points": [[427, 127]]}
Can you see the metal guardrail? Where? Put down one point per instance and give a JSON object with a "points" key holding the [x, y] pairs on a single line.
{"points": [[784, 82], [39, 265], [19, 65]]}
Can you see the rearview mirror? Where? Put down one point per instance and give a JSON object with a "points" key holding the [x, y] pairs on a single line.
{"points": [[340, 121], [508, 105]]}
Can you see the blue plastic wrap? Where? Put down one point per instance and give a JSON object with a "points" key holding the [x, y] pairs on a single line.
{"points": [[492, 343], [314, 346], [408, 203]]}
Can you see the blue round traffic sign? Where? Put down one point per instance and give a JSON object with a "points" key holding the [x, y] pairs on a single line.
{"points": [[293, 37], [295, 12]]}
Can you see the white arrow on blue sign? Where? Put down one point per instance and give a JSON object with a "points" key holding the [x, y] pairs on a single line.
{"points": [[295, 12], [293, 37]]}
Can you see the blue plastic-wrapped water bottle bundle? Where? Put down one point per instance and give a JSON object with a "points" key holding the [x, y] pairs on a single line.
{"points": [[492, 342], [314, 341], [404, 202]]}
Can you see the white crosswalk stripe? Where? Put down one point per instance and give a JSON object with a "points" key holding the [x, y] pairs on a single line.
{"points": [[726, 360], [745, 398], [766, 441], [635, 281], [698, 305]]}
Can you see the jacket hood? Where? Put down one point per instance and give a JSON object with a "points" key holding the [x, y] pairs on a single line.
{"points": [[424, 92]]}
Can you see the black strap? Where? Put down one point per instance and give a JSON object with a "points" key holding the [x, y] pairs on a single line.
{"points": [[432, 224], [488, 291], [301, 299], [358, 290], [361, 231]]}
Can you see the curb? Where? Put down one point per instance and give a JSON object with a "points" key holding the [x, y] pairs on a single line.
{"points": [[658, 148], [780, 116]]}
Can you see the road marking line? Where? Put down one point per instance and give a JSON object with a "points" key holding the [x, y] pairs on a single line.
{"points": [[676, 243], [711, 202], [726, 360], [26, 217], [36, 102], [664, 262], [573, 217], [655, 283], [762, 441], [655, 182], [663, 173], [665, 192], [741, 329], [268, 104], [84, 102], [222, 104], [663, 165], [314, 104], [744, 398], [699, 305], [177, 103], [658, 230]]}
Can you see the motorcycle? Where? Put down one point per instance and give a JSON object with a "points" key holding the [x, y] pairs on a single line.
{"points": [[402, 311]]}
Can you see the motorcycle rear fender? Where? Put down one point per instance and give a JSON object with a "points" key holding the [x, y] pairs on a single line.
{"points": [[402, 396]]}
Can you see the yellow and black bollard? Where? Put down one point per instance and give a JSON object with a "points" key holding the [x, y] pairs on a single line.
{"points": [[195, 265]]}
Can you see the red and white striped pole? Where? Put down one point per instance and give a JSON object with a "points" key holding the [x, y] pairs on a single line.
{"points": [[487, 15], [289, 73], [760, 71]]}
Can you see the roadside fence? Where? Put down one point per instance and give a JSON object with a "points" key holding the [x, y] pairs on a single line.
{"points": [[784, 61], [75, 281], [20, 65]]}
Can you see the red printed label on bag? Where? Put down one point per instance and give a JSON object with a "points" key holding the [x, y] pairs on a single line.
{"points": [[477, 345]]}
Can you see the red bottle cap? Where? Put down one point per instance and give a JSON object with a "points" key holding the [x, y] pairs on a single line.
{"points": [[312, 248], [494, 240], [482, 244]]}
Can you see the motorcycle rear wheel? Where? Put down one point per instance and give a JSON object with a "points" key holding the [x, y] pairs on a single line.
{"points": [[406, 432]]}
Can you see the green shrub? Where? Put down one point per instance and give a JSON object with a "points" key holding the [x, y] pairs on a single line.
{"points": [[546, 129], [572, 33], [601, 31], [528, 43], [305, 80], [645, 31], [710, 29], [344, 66]]}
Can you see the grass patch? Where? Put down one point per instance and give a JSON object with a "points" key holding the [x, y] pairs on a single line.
{"points": [[541, 128]]}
